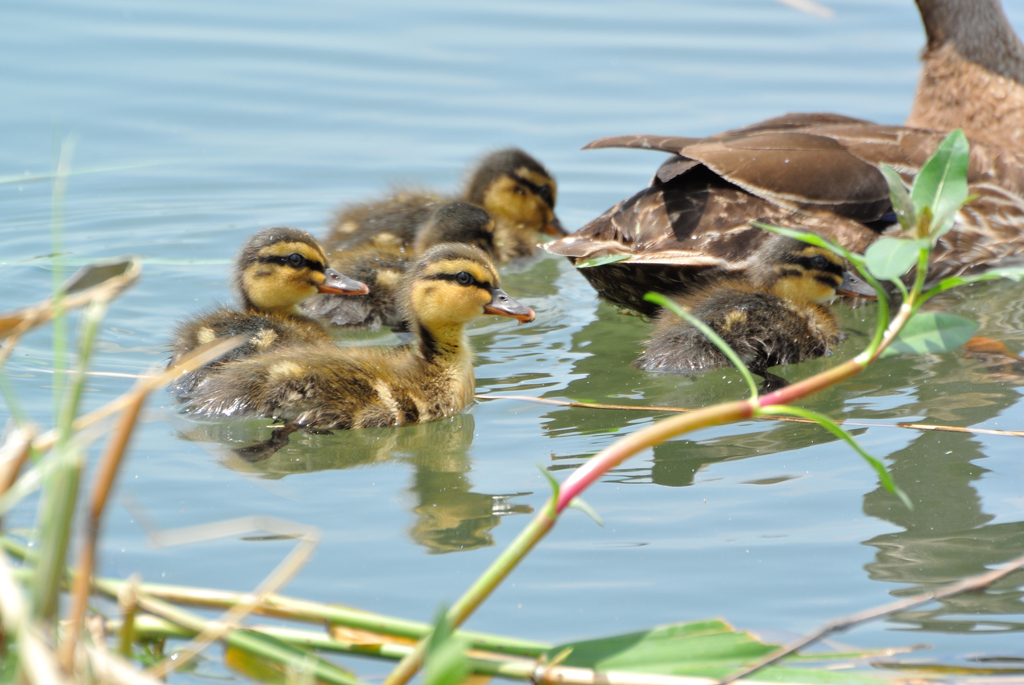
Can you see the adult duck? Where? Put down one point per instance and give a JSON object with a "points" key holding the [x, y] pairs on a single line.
{"points": [[820, 172]]}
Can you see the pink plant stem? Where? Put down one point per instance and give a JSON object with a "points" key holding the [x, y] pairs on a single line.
{"points": [[720, 414], [655, 434], [811, 385], [615, 454]]}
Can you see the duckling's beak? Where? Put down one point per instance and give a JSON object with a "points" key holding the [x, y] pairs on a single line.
{"points": [[338, 284], [854, 286], [554, 228], [503, 305]]}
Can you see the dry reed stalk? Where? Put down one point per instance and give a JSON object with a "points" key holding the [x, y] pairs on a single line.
{"points": [[13, 454], [109, 463], [18, 321], [201, 356], [333, 615], [309, 539], [972, 584]]}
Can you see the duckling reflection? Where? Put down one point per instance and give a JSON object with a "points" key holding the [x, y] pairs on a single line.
{"points": [[450, 517], [1001, 362]]}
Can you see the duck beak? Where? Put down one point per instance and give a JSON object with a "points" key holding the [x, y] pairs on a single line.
{"points": [[503, 305], [854, 286], [554, 228], [338, 284]]}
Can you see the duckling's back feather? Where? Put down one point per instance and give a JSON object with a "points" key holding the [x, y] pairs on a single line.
{"points": [[263, 332], [330, 388], [388, 222], [381, 270], [764, 330]]}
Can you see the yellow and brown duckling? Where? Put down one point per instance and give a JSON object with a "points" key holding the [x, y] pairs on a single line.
{"points": [[382, 264], [774, 315], [323, 388], [821, 172], [514, 188], [274, 271]]}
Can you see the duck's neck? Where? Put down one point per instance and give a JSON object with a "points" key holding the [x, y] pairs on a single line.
{"points": [[251, 308], [973, 72], [443, 345]]}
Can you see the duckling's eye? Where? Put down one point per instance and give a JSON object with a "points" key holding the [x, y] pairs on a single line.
{"points": [[545, 194], [463, 278], [818, 262], [296, 260]]}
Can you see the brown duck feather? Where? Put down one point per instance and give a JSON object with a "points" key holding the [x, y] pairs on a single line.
{"points": [[820, 172]]}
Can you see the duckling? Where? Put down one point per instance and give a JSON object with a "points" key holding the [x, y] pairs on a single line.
{"points": [[274, 271], [324, 388], [775, 315], [382, 265], [514, 188], [821, 172]]}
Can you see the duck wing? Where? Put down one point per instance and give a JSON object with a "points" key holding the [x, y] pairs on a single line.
{"points": [[817, 172]]}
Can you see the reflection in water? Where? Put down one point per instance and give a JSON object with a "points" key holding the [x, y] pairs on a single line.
{"points": [[948, 535], [449, 516]]}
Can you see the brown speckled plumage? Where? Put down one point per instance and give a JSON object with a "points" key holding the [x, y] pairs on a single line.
{"points": [[820, 172], [327, 388], [514, 188], [772, 316], [381, 266], [268, 293]]}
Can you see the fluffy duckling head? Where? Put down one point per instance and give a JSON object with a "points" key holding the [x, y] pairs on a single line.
{"points": [[451, 284], [280, 267], [457, 222], [514, 188], [799, 272]]}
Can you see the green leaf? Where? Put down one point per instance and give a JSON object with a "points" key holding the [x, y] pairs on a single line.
{"points": [[711, 649], [944, 224], [445, 660], [556, 490], [578, 503], [888, 258], [900, 196], [601, 261], [813, 239], [1014, 273], [716, 340], [835, 429], [942, 182], [932, 332]]}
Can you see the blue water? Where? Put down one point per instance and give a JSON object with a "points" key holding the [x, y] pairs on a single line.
{"points": [[194, 124]]}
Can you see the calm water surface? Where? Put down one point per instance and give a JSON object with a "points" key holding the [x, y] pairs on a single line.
{"points": [[195, 124]]}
